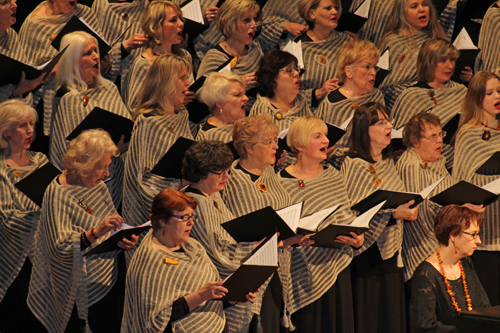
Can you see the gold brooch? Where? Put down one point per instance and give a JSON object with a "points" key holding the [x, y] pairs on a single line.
{"points": [[322, 60], [262, 187], [53, 37], [169, 261], [424, 165], [279, 116], [85, 100], [84, 205], [301, 184], [17, 174]]}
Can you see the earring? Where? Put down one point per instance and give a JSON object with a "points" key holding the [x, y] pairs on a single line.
{"points": [[163, 230], [300, 155], [454, 246], [9, 138], [220, 111]]}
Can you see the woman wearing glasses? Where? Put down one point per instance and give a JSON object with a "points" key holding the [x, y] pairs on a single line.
{"points": [[446, 283], [434, 91], [376, 270], [477, 138]]}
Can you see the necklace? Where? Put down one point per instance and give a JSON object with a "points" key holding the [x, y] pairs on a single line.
{"points": [[448, 288], [376, 180]]}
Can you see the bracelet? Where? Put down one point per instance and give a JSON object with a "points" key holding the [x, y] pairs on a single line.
{"points": [[85, 240], [92, 233], [12, 96]]}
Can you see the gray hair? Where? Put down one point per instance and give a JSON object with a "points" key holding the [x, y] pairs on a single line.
{"points": [[216, 87], [11, 112]]}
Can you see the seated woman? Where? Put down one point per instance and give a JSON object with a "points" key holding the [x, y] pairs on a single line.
{"points": [[182, 279], [434, 91], [320, 46], [162, 22], [476, 139], [377, 274], [278, 86], [323, 302], [206, 166], [224, 94], [78, 211], [446, 283], [160, 121], [19, 216], [236, 21], [80, 91]]}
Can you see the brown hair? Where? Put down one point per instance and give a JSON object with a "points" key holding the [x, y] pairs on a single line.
{"points": [[431, 52], [249, 130], [452, 220], [164, 204], [415, 127]]}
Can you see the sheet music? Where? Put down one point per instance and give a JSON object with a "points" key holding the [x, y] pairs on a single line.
{"points": [[42, 66], [192, 11], [291, 215], [493, 187], [364, 9], [426, 191], [267, 255], [283, 133], [346, 123], [126, 226], [383, 62], [88, 26], [312, 221], [463, 41], [364, 219], [226, 68], [397, 133], [295, 49]]}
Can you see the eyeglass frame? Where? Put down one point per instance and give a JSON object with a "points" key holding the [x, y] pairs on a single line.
{"points": [[367, 67], [222, 173], [289, 71], [186, 218], [270, 142], [441, 134], [475, 235], [8, 3]]}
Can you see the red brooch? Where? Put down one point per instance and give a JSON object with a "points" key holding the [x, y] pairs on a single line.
{"points": [[354, 106], [376, 180], [85, 100], [84, 205], [301, 184], [125, 16], [17, 174], [53, 37], [431, 94], [217, 206], [262, 187], [401, 58], [486, 136]]}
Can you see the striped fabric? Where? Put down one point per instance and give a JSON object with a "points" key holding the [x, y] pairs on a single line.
{"points": [[403, 51], [151, 139], [448, 17], [153, 286], [224, 252], [470, 153], [488, 59], [319, 61], [70, 111], [19, 217], [314, 270], [419, 241], [415, 99], [223, 133], [359, 181], [263, 105], [61, 275], [276, 17], [373, 29], [12, 47], [37, 34]]}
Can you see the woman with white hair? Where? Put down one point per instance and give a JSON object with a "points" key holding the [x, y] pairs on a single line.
{"points": [[19, 216], [224, 94], [81, 89], [67, 289]]}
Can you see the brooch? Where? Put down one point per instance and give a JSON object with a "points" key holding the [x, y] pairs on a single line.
{"points": [[486, 136], [53, 37], [262, 187], [431, 94], [354, 106], [401, 58], [322, 60], [376, 180], [424, 165], [169, 261], [301, 184], [233, 62], [83, 204], [217, 206], [171, 129], [124, 16], [85, 100], [17, 174], [278, 116]]}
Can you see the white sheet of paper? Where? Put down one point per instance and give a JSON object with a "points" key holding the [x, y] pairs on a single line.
{"points": [[346, 123], [493, 187], [463, 41], [383, 62], [126, 226], [283, 133], [227, 68], [192, 11], [295, 49], [364, 219], [312, 221], [88, 26], [364, 9], [291, 215], [397, 133], [426, 191], [267, 255]]}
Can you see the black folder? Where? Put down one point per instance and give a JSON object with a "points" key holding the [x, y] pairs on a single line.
{"points": [[170, 165], [34, 185], [394, 199], [451, 127], [491, 166], [231, 146], [255, 226], [484, 320], [11, 69], [464, 192], [466, 58], [379, 78], [199, 83], [350, 22], [112, 123], [440, 6], [111, 243], [327, 236], [192, 28]]}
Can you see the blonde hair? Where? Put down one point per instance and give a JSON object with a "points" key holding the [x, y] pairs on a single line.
{"points": [[216, 87], [301, 130], [231, 12], [306, 5], [431, 52], [152, 20], [249, 130], [13, 111], [85, 151], [353, 52], [159, 84]]}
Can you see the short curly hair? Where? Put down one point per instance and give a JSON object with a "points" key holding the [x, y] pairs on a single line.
{"points": [[249, 130], [85, 152], [269, 68], [164, 204], [452, 220], [353, 52], [204, 157], [13, 111], [415, 127], [216, 87], [231, 12]]}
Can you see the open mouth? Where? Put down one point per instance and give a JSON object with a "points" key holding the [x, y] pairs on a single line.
{"points": [[388, 135], [422, 18], [323, 149], [497, 105], [371, 82], [96, 66], [251, 34], [439, 149], [244, 106], [29, 140], [179, 33], [72, 3]]}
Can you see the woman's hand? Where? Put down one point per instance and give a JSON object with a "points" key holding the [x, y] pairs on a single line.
{"points": [[250, 80], [466, 75], [476, 208], [25, 86], [128, 244], [354, 241], [189, 97], [113, 222], [405, 212], [105, 64], [210, 14], [299, 239], [295, 28], [280, 163], [327, 87], [352, 34], [134, 42], [329, 151], [122, 146], [212, 290]]}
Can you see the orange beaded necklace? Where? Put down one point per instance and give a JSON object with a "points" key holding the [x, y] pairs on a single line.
{"points": [[448, 288]]}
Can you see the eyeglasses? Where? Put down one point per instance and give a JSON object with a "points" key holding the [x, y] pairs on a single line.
{"points": [[368, 67], [433, 138], [185, 218], [222, 173], [383, 122], [8, 3], [270, 142], [474, 235], [290, 71]]}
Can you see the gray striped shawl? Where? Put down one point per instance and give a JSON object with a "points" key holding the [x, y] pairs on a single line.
{"points": [[448, 17], [301, 108], [414, 100], [224, 251], [488, 58], [12, 47], [153, 286], [19, 217], [61, 275], [151, 139], [419, 241], [223, 133], [314, 270], [69, 112], [359, 181], [373, 29], [37, 34], [470, 153]]}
